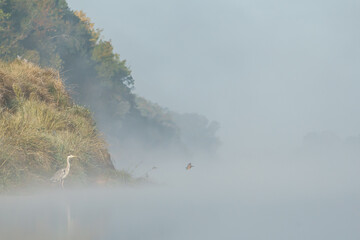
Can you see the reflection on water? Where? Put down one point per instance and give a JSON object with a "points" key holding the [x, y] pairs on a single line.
{"points": [[51, 216], [279, 202], [128, 214]]}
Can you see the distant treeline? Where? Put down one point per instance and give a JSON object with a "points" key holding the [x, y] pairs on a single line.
{"points": [[48, 33]]}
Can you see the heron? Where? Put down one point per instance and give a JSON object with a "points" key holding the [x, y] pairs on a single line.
{"points": [[61, 174], [189, 166]]}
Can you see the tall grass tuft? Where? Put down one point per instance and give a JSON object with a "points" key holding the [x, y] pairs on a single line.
{"points": [[40, 126]]}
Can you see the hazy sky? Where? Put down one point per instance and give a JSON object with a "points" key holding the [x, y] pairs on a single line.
{"points": [[268, 71]]}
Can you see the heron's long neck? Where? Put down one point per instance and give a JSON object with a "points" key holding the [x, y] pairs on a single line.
{"points": [[68, 164]]}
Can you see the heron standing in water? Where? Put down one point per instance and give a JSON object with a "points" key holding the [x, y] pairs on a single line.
{"points": [[61, 174]]}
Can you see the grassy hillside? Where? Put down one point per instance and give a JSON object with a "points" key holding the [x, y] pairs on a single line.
{"points": [[40, 126], [50, 34]]}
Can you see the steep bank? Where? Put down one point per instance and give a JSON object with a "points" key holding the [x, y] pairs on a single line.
{"points": [[50, 34], [40, 126]]}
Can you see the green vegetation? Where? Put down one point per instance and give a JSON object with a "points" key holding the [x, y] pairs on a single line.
{"points": [[40, 126]]}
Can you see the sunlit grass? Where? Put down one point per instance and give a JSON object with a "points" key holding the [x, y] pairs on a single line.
{"points": [[40, 126]]}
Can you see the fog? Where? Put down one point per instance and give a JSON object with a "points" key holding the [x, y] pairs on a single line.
{"points": [[268, 71], [279, 76], [274, 199]]}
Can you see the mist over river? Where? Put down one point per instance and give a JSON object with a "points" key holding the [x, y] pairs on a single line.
{"points": [[286, 199]]}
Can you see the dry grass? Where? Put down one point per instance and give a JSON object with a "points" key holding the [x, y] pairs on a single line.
{"points": [[40, 126]]}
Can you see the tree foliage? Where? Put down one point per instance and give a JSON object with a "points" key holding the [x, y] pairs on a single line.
{"points": [[48, 33]]}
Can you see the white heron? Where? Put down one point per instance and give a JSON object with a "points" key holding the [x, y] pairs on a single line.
{"points": [[61, 174]]}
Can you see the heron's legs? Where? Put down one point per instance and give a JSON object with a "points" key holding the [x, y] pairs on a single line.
{"points": [[62, 183]]}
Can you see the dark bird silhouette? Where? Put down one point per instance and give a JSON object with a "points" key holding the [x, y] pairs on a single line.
{"points": [[189, 166]]}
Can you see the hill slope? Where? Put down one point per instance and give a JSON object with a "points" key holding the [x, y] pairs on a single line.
{"points": [[48, 33], [40, 126]]}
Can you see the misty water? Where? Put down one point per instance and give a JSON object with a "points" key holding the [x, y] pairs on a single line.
{"points": [[294, 196]]}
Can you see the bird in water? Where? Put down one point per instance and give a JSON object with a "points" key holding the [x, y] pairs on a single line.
{"points": [[61, 174], [189, 166]]}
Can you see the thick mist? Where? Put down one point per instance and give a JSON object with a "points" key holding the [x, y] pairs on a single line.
{"points": [[279, 76], [282, 197], [269, 71]]}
